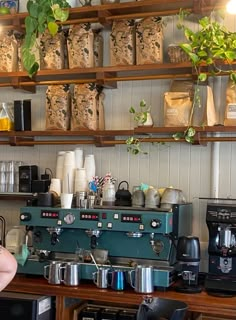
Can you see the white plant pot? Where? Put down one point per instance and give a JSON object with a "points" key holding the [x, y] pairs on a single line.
{"points": [[148, 122]]}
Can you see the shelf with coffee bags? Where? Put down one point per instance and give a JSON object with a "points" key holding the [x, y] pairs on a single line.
{"points": [[127, 10], [105, 76]]}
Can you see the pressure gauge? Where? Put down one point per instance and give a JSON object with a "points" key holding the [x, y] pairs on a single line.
{"points": [[69, 218]]}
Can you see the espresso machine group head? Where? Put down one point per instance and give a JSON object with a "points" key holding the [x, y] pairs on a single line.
{"points": [[188, 258]]}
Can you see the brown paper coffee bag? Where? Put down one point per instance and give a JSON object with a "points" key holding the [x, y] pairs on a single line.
{"points": [[230, 109], [177, 109]]}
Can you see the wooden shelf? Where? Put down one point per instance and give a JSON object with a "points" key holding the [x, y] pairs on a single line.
{"points": [[105, 138], [105, 14], [15, 196]]}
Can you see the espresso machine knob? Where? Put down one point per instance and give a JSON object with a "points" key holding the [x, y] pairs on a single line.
{"points": [[155, 223], [25, 216], [69, 218]]}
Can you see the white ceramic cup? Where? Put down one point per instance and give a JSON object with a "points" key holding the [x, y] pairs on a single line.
{"points": [[66, 200]]}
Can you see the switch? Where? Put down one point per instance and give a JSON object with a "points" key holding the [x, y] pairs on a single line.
{"points": [[99, 224], [25, 216], [109, 225], [141, 227], [116, 216]]}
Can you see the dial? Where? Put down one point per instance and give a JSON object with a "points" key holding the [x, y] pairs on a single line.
{"points": [[69, 218], [25, 216], [155, 223]]}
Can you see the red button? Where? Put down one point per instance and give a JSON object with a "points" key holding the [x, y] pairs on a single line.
{"points": [[104, 215]]}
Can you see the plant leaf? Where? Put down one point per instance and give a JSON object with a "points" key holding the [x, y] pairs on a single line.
{"points": [[178, 136], [52, 28]]}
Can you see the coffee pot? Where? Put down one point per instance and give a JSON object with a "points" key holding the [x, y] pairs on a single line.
{"points": [[123, 196]]}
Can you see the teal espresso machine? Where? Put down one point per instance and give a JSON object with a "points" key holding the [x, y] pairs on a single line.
{"points": [[130, 236]]}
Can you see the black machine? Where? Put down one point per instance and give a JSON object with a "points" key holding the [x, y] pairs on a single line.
{"points": [[188, 258], [21, 306], [221, 223]]}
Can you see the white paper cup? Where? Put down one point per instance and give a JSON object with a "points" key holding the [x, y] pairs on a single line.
{"points": [[55, 186], [78, 158], [66, 200]]}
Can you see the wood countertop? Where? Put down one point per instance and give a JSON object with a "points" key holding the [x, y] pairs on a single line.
{"points": [[199, 302]]}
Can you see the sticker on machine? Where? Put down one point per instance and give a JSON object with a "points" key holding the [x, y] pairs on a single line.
{"points": [[44, 305]]}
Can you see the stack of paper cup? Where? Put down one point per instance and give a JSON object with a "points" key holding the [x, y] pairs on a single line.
{"points": [[89, 165], [81, 183], [55, 186], [78, 158], [68, 172], [60, 164]]}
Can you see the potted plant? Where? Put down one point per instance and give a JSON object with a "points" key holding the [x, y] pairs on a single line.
{"points": [[211, 50], [212, 45], [42, 15], [142, 117]]}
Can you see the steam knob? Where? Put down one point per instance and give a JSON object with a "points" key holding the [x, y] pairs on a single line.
{"points": [[25, 216], [155, 223]]}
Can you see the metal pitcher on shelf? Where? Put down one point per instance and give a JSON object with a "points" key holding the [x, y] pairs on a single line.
{"points": [[142, 281]]}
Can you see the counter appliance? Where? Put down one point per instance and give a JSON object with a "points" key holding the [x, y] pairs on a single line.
{"points": [[221, 223], [131, 236]]}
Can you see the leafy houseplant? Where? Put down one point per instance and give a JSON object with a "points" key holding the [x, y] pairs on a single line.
{"points": [[43, 14], [209, 45], [143, 116]]}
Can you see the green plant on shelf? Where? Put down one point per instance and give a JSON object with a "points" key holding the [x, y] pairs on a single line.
{"points": [[42, 15], [142, 116], [211, 45]]}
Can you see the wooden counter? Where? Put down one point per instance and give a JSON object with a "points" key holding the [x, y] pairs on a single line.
{"points": [[201, 302]]}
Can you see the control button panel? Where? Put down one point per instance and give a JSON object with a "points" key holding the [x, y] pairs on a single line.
{"points": [[89, 216], [46, 214], [133, 218]]}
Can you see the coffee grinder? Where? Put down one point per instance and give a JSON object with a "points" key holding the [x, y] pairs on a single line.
{"points": [[221, 223], [188, 258]]}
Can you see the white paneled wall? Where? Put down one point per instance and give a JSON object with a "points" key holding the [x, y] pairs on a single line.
{"points": [[175, 164]]}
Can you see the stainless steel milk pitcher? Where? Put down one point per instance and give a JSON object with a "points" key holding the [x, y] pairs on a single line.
{"points": [[70, 276], [100, 277], [52, 272], [142, 281]]}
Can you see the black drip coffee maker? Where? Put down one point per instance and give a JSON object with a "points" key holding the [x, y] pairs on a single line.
{"points": [[188, 258]]}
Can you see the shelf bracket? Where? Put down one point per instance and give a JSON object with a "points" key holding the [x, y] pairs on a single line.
{"points": [[21, 141], [17, 84], [103, 79], [203, 6], [102, 15], [99, 141], [198, 141]]}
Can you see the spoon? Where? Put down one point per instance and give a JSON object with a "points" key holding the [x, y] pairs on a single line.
{"points": [[94, 261]]}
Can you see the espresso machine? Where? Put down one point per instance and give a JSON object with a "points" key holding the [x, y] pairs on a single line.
{"points": [[131, 236], [221, 223]]}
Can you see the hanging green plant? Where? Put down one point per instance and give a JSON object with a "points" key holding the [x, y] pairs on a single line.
{"points": [[42, 15], [188, 135], [134, 146]]}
